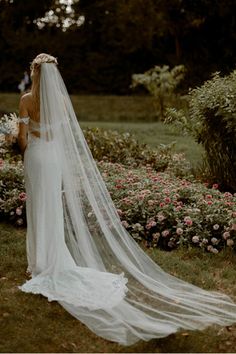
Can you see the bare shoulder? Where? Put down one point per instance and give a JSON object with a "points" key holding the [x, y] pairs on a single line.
{"points": [[27, 97], [25, 100]]}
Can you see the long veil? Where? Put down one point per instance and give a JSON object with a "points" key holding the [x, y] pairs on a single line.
{"points": [[156, 304]]}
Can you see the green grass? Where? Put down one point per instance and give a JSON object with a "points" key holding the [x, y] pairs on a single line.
{"points": [[134, 114], [155, 134], [29, 323], [97, 108]]}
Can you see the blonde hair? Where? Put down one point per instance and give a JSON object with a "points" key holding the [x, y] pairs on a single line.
{"points": [[35, 76]]}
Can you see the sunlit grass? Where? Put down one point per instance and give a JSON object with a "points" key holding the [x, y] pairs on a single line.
{"points": [[29, 323], [154, 134]]}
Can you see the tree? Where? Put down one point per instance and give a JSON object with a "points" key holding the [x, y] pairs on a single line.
{"points": [[160, 83]]}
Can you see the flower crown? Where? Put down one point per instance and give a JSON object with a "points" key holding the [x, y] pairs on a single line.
{"points": [[44, 58]]}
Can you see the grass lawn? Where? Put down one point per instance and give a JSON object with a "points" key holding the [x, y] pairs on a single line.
{"points": [[134, 114], [97, 107], [29, 323], [154, 134]]}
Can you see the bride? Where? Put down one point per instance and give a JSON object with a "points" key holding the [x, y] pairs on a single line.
{"points": [[78, 252]]}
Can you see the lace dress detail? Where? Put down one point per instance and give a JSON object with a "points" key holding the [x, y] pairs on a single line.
{"points": [[80, 286]]}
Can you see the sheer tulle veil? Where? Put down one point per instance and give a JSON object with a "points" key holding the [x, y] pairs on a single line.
{"points": [[156, 304]]}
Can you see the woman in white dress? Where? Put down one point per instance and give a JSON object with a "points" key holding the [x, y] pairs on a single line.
{"points": [[78, 252]]}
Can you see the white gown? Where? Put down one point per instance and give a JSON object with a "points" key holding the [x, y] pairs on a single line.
{"points": [[54, 272], [78, 250]]}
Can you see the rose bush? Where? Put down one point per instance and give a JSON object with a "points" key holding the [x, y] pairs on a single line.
{"points": [[12, 194], [162, 209], [166, 211]]}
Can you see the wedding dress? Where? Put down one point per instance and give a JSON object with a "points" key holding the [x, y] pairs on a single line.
{"points": [[78, 251]]}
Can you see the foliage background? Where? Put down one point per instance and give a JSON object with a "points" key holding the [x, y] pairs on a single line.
{"points": [[100, 44]]}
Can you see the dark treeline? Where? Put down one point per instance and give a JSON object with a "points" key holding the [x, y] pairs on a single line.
{"points": [[118, 38]]}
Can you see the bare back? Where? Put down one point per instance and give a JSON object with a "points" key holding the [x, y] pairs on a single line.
{"points": [[29, 105]]}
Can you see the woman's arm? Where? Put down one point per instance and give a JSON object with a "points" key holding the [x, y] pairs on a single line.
{"points": [[23, 127]]}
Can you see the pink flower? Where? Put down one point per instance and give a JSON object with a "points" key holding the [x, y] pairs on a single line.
{"points": [[215, 186], [166, 191], [188, 221], [208, 196], [234, 214], [179, 231], [165, 233], [233, 227], [151, 224], [23, 196], [162, 205], [119, 186], [178, 208], [226, 235], [125, 223], [228, 195], [18, 211], [209, 202], [120, 212], [126, 201], [160, 217], [167, 200]]}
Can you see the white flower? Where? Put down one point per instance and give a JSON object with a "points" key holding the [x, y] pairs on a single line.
{"points": [[137, 227], [195, 239], [216, 227], [214, 241]]}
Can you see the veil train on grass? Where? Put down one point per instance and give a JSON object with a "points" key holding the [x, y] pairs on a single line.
{"points": [[155, 303]]}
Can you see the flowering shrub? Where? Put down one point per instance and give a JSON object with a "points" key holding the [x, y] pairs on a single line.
{"points": [[156, 207], [113, 146], [12, 195], [166, 211]]}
